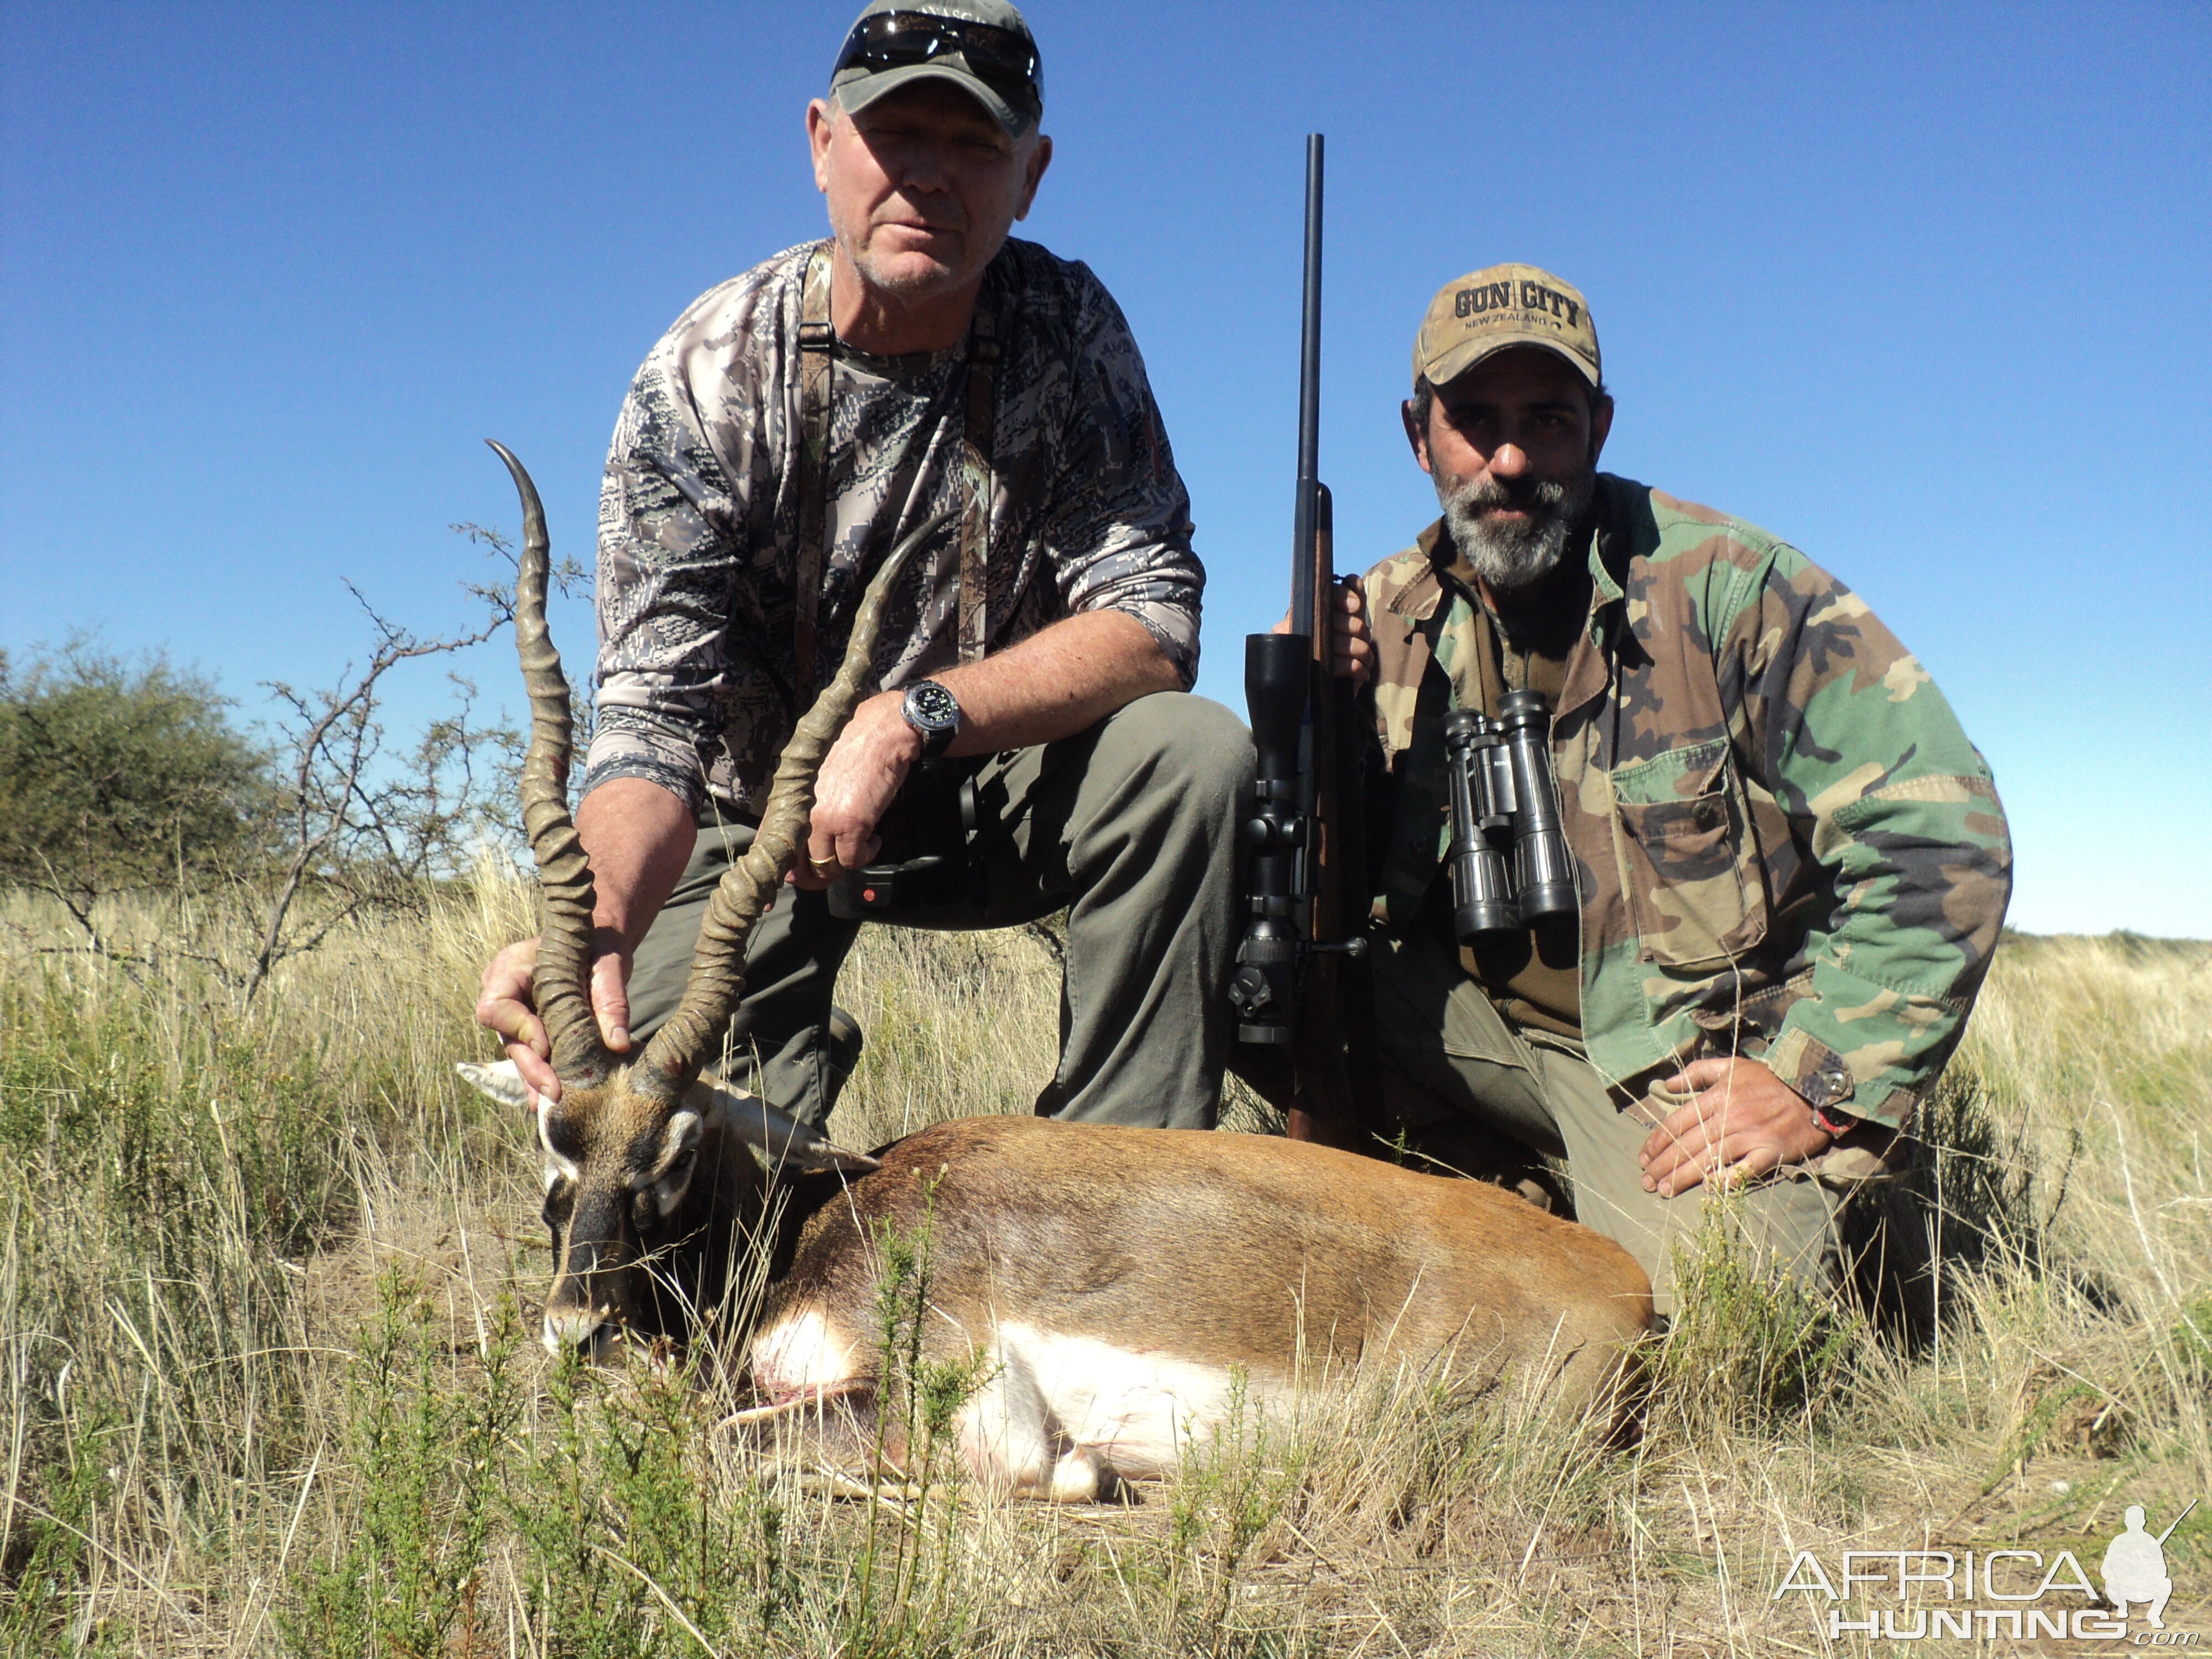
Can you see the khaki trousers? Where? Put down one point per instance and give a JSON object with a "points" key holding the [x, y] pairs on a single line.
{"points": [[1479, 1095], [1129, 826]]}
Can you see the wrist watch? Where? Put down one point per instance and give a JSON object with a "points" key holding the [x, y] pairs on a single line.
{"points": [[934, 712]]}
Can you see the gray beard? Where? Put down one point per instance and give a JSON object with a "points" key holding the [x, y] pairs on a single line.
{"points": [[1514, 555], [921, 285]]}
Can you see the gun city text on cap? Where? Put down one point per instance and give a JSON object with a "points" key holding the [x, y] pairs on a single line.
{"points": [[1489, 311]]}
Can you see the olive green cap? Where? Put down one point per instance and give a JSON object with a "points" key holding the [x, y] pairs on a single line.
{"points": [[1490, 311], [857, 88]]}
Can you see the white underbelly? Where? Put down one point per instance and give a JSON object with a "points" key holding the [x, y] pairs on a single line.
{"points": [[1051, 1410], [800, 1356], [1135, 1409]]}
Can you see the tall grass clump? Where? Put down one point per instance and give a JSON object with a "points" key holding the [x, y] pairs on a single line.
{"points": [[173, 1177]]}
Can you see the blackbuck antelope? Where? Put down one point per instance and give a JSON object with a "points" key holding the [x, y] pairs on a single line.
{"points": [[1117, 1283]]}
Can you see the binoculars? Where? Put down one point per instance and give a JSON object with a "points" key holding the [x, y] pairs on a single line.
{"points": [[1510, 868]]}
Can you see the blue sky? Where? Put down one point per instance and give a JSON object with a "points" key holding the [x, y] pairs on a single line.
{"points": [[1921, 288]]}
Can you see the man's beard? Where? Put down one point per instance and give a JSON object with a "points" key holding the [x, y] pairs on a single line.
{"points": [[914, 283], [1515, 556], [903, 275]]}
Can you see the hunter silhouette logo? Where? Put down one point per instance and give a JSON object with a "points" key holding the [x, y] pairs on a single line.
{"points": [[2135, 1568], [2020, 1594]]}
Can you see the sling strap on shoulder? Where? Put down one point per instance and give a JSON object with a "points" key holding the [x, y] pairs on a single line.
{"points": [[817, 341], [985, 346]]}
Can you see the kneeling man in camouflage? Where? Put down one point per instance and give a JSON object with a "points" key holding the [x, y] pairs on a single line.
{"points": [[917, 376], [1789, 866]]}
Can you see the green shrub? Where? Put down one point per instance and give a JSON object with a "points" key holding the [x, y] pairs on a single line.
{"points": [[428, 1456], [1749, 1349], [115, 776]]}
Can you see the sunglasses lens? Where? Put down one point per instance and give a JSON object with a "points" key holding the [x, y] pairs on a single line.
{"points": [[1003, 60], [899, 38]]}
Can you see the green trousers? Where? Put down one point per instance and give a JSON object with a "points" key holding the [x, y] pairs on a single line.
{"points": [[1129, 826], [1479, 1096]]}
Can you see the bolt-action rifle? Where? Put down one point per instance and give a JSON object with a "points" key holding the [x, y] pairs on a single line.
{"points": [[1298, 982]]}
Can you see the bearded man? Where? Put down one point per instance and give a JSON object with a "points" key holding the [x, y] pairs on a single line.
{"points": [[919, 374], [1791, 865]]}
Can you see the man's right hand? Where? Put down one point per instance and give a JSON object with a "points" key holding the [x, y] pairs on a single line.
{"points": [[507, 1003], [1352, 643], [858, 780]]}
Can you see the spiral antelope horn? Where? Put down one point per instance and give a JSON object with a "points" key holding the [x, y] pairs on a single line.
{"points": [[672, 1059], [565, 896]]}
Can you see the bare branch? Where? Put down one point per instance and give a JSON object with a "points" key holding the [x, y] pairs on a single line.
{"points": [[369, 841]]}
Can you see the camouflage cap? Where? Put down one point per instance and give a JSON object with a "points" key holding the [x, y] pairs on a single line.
{"points": [[1488, 311], [997, 65]]}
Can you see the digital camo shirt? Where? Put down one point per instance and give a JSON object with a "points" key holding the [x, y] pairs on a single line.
{"points": [[699, 514]]}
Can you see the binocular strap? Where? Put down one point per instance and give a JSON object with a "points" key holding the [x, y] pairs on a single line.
{"points": [[817, 343]]}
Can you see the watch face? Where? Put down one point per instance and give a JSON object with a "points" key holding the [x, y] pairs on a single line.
{"points": [[931, 706]]}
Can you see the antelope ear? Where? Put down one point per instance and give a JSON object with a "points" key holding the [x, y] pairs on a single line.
{"points": [[499, 1080], [779, 1138]]}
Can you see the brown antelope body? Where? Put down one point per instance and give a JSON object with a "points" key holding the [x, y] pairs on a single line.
{"points": [[1118, 1283]]}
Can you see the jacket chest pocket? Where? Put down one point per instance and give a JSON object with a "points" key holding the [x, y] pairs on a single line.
{"points": [[1689, 861]]}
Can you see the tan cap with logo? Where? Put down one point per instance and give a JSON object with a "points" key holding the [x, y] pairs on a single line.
{"points": [[1488, 311]]}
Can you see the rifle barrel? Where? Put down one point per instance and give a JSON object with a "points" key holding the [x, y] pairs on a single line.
{"points": [[1305, 601], [2177, 1520]]}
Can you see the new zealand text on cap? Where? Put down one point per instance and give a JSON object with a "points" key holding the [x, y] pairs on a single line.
{"points": [[1489, 311], [983, 47]]}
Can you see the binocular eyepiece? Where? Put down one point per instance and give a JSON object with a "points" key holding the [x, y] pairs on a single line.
{"points": [[1510, 868]]}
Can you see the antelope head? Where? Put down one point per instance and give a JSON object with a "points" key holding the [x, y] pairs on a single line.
{"points": [[640, 1151]]}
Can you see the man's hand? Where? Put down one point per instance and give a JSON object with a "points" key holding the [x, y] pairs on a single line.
{"points": [[1352, 648], [507, 1003], [860, 776], [1058, 682], [637, 835], [1741, 1122]]}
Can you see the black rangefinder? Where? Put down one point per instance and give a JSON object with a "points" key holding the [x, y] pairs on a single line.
{"points": [[928, 859], [1510, 868]]}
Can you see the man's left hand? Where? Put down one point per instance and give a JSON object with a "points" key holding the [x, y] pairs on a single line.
{"points": [[862, 772], [1741, 1122]]}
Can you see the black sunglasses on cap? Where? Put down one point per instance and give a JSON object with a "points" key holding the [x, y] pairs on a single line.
{"points": [[1003, 60]]}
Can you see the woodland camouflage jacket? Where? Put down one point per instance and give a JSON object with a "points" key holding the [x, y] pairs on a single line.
{"points": [[1787, 848]]}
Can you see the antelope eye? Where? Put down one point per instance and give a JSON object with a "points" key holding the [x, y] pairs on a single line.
{"points": [[560, 1198]]}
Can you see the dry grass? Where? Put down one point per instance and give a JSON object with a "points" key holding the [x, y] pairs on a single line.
{"points": [[262, 1284]]}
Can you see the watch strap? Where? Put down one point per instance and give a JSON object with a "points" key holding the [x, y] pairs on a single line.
{"points": [[1837, 1126]]}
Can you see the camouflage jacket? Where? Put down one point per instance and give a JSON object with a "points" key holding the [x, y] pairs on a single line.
{"points": [[699, 513], [1786, 846]]}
